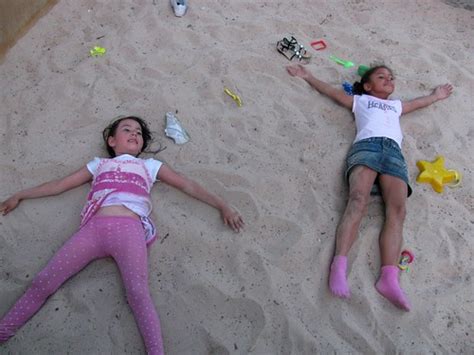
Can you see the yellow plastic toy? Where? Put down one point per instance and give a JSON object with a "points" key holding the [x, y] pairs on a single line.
{"points": [[436, 174], [98, 51], [234, 96], [406, 258]]}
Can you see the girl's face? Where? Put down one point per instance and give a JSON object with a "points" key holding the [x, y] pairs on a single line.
{"points": [[127, 138], [381, 83]]}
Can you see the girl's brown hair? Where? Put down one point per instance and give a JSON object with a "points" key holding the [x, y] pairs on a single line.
{"points": [[358, 87], [110, 130]]}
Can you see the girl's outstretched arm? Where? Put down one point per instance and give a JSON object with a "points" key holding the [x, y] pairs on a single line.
{"points": [[54, 187], [324, 88], [439, 93], [192, 188]]}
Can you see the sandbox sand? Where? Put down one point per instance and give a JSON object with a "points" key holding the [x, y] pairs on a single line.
{"points": [[278, 159]]}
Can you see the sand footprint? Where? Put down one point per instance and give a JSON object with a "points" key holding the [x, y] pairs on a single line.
{"points": [[453, 249], [233, 188], [277, 236], [219, 314], [362, 331]]}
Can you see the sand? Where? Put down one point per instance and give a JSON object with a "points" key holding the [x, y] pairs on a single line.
{"points": [[278, 159]]}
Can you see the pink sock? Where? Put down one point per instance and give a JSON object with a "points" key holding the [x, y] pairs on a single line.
{"points": [[388, 286], [337, 277]]}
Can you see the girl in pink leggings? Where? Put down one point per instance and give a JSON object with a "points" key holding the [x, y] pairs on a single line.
{"points": [[115, 222]]}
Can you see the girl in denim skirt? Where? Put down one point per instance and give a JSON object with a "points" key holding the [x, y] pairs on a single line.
{"points": [[374, 160]]}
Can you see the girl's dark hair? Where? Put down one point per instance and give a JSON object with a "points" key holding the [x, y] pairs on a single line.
{"points": [[110, 130], [358, 87]]}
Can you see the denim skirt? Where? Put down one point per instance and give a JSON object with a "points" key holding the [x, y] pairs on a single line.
{"points": [[380, 154]]}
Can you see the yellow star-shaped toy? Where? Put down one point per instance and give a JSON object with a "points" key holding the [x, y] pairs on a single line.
{"points": [[436, 174]]}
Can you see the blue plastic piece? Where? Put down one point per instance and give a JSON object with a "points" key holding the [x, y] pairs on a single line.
{"points": [[347, 88]]}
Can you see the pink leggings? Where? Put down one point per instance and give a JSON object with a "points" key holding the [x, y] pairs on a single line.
{"points": [[120, 237]]}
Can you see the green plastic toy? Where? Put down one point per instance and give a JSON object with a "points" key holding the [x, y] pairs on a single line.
{"points": [[98, 51], [344, 63], [362, 69]]}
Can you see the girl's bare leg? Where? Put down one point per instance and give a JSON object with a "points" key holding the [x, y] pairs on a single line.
{"points": [[361, 180], [394, 192]]}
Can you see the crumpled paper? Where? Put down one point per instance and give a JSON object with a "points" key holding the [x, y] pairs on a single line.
{"points": [[174, 130]]}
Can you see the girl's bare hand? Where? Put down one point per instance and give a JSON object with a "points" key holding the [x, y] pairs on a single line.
{"points": [[232, 219], [443, 91], [297, 70], [9, 205]]}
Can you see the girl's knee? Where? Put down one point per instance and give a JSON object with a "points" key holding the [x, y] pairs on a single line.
{"points": [[138, 294], [397, 212], [358, 202]]}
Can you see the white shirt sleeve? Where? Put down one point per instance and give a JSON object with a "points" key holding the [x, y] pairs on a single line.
{"points": [[93, 165], [354, 102], [153, 167], [398, 103]]}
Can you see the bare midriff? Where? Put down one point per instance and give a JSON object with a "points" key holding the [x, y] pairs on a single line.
{"points": [[117, 210]]}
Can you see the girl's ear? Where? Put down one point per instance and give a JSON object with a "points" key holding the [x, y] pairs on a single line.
{"points": [[367, 87], [111, 141]]}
